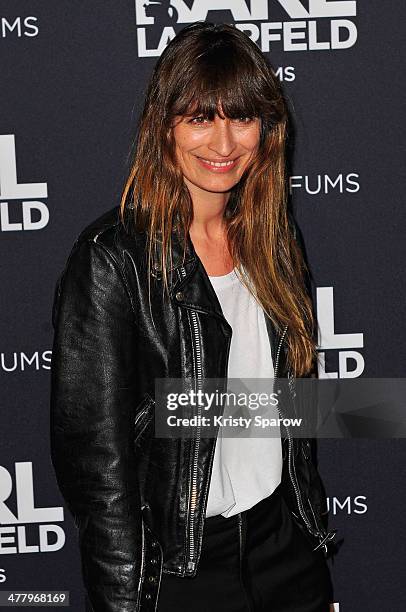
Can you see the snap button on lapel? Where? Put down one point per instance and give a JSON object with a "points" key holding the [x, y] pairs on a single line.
{"points": [[179, 296]]}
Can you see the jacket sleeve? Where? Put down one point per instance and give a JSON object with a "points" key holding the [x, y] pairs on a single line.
{"points": [[92, 396]]}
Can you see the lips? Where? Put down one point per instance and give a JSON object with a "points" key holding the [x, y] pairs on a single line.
{"points": [[216, 166]]}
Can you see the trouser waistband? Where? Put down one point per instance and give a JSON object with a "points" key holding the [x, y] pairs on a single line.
{"points": [[260, 508]]}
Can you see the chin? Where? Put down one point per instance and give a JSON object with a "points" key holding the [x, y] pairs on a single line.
{"points": [[218, 186]]}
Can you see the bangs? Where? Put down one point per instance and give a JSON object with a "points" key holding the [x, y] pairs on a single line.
{"points": [[222, 74]]}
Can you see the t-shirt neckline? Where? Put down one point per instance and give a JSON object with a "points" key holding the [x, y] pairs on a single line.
{"points": [[224, 279]]}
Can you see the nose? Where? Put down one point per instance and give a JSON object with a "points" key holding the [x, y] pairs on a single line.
{"points": [[222, 139]]}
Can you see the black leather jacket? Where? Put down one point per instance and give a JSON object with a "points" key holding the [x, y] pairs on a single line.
{"points": [[139, 501]]}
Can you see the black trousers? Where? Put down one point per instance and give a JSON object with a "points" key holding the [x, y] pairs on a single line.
{"points": [[255, 561]]}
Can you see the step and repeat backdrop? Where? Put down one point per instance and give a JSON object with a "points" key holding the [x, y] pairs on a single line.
{"points": [[73, 76]]}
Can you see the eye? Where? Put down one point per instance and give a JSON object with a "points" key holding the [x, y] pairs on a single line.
{"points": [[199, 120], [245, 120]]}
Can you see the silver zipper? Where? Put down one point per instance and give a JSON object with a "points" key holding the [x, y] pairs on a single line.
{"points": [[191, 564], [290, 452], [240, 538], [242, 530], [323, 537]]}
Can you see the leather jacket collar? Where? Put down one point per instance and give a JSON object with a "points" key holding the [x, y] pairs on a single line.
{"points": [[202, 301]]}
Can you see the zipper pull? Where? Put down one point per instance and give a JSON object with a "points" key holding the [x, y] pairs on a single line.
{"points": [[325, 540], [191, 566]]}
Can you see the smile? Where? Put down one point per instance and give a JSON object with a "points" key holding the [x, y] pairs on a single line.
{"points": [[217, 166]]}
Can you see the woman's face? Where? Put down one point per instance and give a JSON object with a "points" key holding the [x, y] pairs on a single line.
{"points": [[213, 154]]}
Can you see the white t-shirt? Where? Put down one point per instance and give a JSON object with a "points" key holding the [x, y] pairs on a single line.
{"points": [[245, 469]]}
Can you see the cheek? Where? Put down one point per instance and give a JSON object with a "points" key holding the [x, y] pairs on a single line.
{"points": [[184, 143], [181, 149], [180, 138], [182, 156], [252, 138]]}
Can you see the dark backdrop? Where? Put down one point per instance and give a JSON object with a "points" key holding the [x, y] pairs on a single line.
{"points": [[73, 75]]}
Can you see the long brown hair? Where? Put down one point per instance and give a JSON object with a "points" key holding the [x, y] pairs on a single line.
{"points": [[203, 65]]}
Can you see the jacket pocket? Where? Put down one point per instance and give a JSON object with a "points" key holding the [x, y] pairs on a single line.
{"points": [[143, 416]]}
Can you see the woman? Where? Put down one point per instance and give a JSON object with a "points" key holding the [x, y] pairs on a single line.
{"points": [[196, 275]]}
